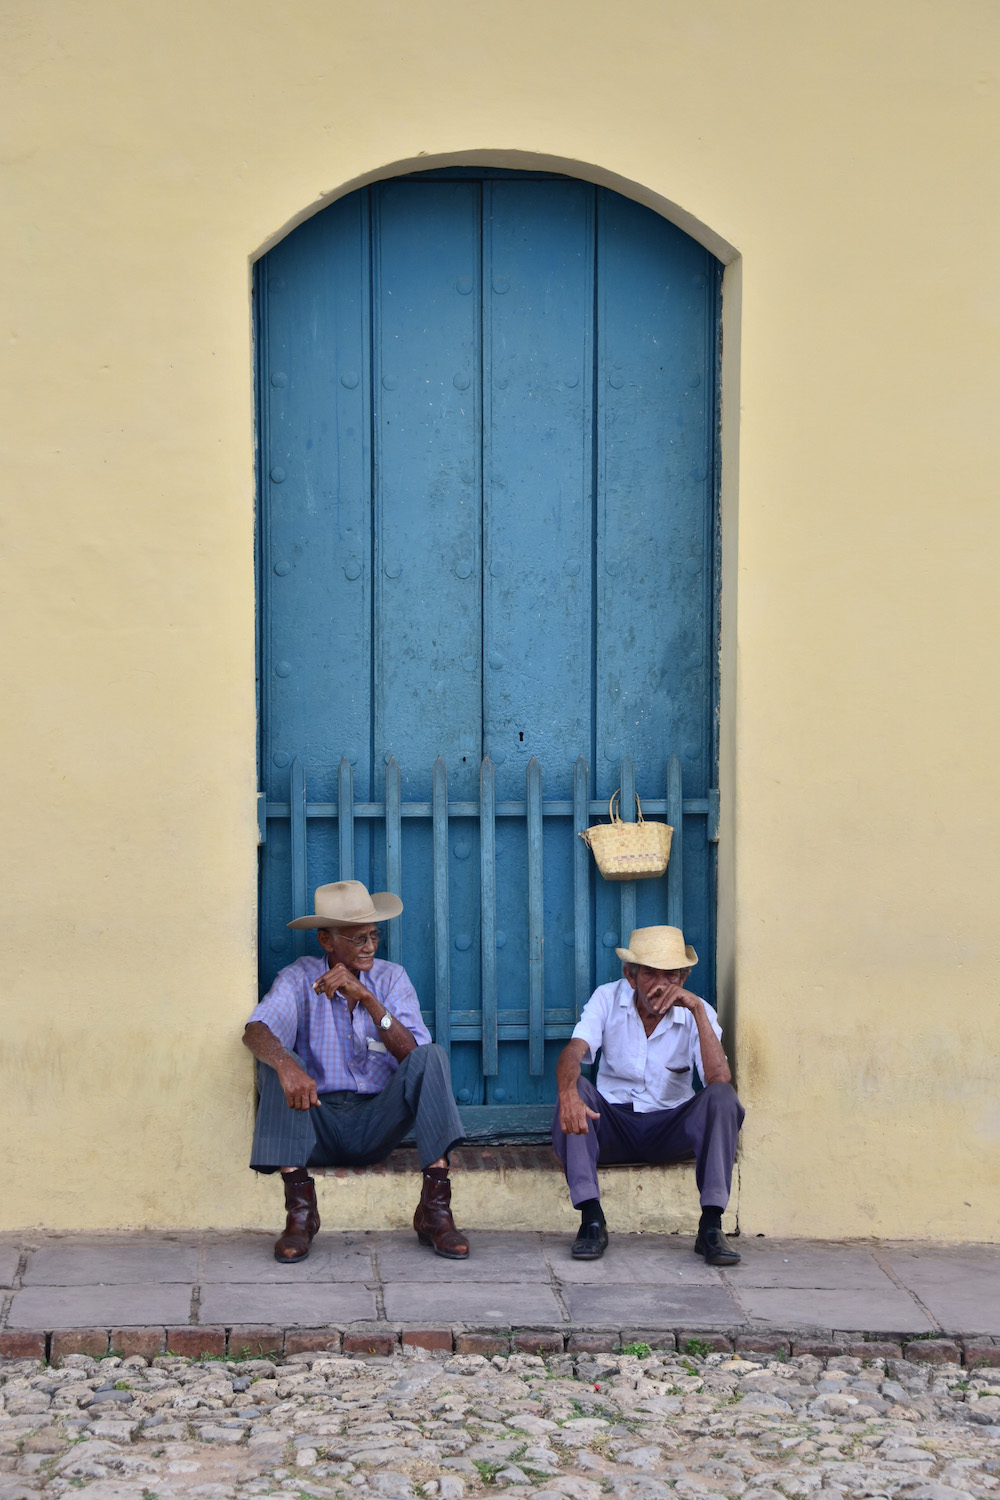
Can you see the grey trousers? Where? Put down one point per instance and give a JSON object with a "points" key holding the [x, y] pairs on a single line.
{"points": [[354, 1130], [704, 1128]]}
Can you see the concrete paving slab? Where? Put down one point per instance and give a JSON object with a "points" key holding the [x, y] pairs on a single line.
{"points": [[81, 1262], [493, 1256], [10, 1255], [889, 1311], [783, 1263], [130, 1305], [308, 1303], [653, 1307], [507, 1304], [960, 1286], [250, 1258], [632, 1260]]}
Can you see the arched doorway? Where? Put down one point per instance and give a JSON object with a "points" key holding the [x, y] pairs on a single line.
{"points": [[488, 428]]}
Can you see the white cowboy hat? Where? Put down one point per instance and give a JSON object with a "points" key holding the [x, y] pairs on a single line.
{"points": [[658, 948], [347, 902]]}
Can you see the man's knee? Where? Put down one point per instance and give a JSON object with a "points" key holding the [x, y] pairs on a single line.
{"points": [[430, 1058], [721, 1099], [427, 1067], [588, 1093]]}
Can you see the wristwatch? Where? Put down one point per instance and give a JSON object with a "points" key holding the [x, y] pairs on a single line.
{"points": [[385, 1024]]}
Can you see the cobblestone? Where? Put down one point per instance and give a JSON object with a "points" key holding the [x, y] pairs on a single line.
{"points": [[428, 1425]]}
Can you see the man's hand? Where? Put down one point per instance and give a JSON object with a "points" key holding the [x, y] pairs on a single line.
{"points": [[299, 1088], [339, 980], [574, 1114], [665, 995]]}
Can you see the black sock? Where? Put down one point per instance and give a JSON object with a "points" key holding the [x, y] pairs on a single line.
{"points": [[301, 1174], [591, 1211], [711, 1218]]}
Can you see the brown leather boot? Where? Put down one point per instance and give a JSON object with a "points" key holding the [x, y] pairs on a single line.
{"points": [[302, 1222], [433, 1221]]}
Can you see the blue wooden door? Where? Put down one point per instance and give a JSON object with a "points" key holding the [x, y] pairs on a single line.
{"points": [[487, 412]]}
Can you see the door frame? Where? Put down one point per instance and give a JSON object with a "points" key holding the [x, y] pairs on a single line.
{"points": [[726, 725]]}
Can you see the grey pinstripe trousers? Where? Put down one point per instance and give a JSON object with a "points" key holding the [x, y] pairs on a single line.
{"points": [[355, 1130]]}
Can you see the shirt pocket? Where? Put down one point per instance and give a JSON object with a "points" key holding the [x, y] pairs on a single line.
{"points": [[676, 1085]]}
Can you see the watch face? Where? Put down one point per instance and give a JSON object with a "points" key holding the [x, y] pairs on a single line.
{"points": [[386, 1022]]}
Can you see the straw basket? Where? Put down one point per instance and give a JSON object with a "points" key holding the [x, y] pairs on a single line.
{"points": [[629, 851]]}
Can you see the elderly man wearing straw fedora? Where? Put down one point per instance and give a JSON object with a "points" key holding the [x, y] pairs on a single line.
{"points": [[349, 1068], [651, 1033]]}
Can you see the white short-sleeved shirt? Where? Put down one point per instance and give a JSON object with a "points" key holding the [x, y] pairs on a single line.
{"points": [[648, 1072]]}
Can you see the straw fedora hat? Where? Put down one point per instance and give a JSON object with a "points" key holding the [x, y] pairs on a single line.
{"points": [[658, 948], [346, 902]]}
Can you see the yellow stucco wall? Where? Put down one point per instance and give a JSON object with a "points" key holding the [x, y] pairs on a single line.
{"points": [[842, 158]]}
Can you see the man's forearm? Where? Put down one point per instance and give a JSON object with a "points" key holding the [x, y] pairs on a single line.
{"points": [[296, 1085], [399, 1039], [263, 1043], [568, 1067], [713, 1058]]}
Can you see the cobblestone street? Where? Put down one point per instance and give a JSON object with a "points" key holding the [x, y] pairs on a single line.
{"points": [[636, 1425]]}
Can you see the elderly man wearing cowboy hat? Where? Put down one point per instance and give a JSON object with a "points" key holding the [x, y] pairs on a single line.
{"points": [[349, 1069], [651, 1032]]}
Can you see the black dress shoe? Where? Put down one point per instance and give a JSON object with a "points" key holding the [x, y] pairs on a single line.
{"points": [[713, 1245], [591, 1242]]}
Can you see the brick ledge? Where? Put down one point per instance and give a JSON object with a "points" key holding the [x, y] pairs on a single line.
{"points": [[382, 1339]]}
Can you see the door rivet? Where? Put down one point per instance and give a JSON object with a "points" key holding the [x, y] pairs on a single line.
{"points": [[349, 379]]}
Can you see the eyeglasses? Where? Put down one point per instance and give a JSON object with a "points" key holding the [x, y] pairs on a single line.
{"points": [[362, 940]]}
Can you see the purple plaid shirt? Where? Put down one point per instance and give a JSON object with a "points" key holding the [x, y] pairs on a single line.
{"points": [[339, 1050]]}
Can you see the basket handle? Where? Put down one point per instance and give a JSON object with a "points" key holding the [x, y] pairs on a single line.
{"points": [[616, 797]]}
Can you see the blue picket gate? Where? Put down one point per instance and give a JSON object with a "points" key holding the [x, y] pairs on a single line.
{"points": [[494, 1021]]}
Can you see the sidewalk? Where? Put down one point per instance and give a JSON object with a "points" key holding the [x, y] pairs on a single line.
{"points": [[367, 1292]]}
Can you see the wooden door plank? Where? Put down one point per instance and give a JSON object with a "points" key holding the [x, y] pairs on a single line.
{"points": [[655, 526], [315, 578], [537, 603]]}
